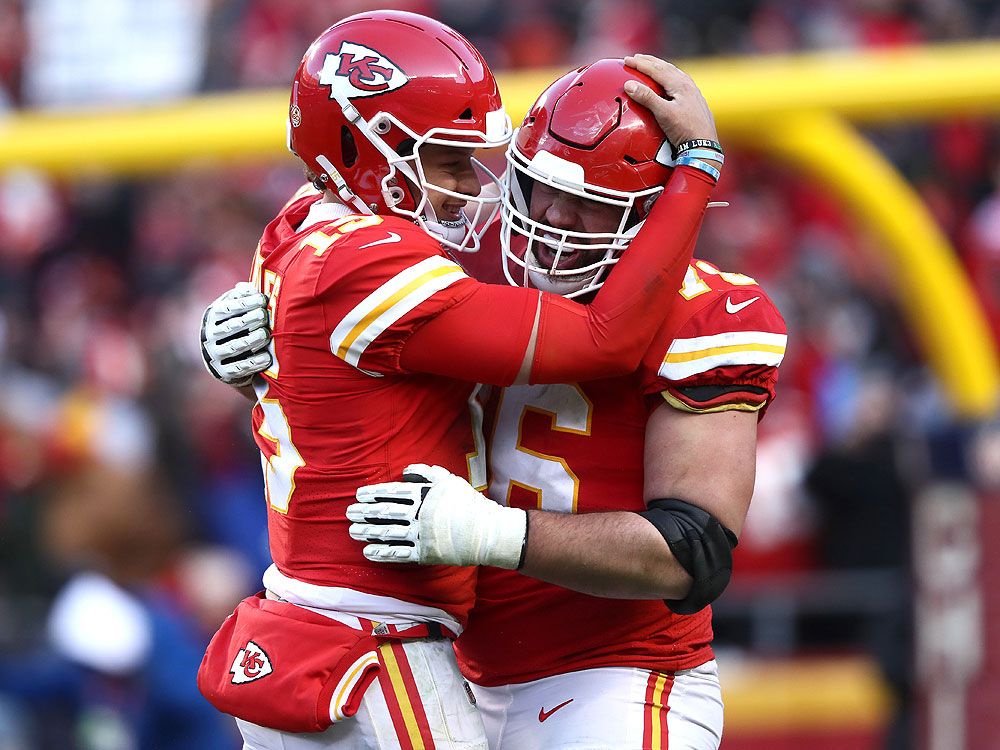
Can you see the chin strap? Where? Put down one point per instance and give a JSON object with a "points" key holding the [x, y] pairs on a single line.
{"points": [[453, 232]]}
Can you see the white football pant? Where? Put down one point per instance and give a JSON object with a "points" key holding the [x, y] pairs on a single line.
{"points": [[609, 708]]}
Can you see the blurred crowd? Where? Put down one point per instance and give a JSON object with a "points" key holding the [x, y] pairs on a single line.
{"points": [[131, 517]]}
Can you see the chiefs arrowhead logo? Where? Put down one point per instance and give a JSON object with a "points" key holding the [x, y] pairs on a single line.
{"points": [[356, 70], [250, 664]]}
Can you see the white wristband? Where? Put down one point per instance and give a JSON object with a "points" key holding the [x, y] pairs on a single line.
{"points": [[504, 541]]}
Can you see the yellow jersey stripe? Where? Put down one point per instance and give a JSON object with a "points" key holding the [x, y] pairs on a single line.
{"points": [[690, 356], [698, 343], [390, 302], [719, 350]]}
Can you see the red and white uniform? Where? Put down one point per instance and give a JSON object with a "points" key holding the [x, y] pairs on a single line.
{"points": [[363, 310], [336, 410], [578, 448]]}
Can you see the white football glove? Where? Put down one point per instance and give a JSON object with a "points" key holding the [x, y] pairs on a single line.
{"points": [[235, 335], [436, 517]]}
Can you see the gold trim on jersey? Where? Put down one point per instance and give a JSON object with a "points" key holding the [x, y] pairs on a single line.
{"points": [[390, 302], [681, 406], [687, 357], [507, 460], [536, 491], [342, 693]]}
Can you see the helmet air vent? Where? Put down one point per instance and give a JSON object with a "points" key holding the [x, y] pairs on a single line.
{"points": [[348, 147]]}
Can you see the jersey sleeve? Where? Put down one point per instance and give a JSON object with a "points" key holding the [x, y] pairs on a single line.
{"points": [[382, 283], [722, 353]]}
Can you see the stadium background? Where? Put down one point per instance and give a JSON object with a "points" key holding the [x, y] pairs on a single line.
{"points": [[130, 519]]}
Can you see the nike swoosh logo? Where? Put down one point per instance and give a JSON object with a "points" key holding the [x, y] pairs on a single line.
{"points": [[733, 309], [393, 237], [543, 714]]}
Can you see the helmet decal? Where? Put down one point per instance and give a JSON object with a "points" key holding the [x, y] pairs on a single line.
{"points": [[356, 70]]}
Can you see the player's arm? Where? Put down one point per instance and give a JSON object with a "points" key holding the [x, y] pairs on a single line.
{"points": [[704, 461], [699, 476], [568, 341], [486, 333], [704, 464], [501, 335]]}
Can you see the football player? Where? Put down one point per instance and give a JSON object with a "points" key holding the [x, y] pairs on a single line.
{"points": [[636, 487], [378, 339]]}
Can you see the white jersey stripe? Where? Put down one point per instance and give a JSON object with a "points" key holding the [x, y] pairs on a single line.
{"points": [[390, 302], [685, 369], [687, 357], [731, 338]]}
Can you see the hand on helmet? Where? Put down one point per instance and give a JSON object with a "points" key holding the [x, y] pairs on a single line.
{"points": [[436, 517], [685, 115], [235, 335]]}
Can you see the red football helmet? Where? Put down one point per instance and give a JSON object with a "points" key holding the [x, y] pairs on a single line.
{"points": [[371, 91], [584, 136]]}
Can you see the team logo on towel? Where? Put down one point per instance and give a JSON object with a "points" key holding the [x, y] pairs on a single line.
{"points": [[251, 663]]}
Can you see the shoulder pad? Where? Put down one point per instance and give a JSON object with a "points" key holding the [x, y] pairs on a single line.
{"points": [[723, 319]]}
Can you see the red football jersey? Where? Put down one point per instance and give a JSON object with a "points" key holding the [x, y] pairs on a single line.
{"points": [[336, 411], [579, 449]]}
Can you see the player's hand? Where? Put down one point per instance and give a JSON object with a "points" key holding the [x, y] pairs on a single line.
{"points": [[435, 517], [685, 114], [235, 335]]}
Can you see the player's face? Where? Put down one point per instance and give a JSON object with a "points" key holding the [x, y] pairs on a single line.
{"points": [[452, 169], [562, 210]]}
